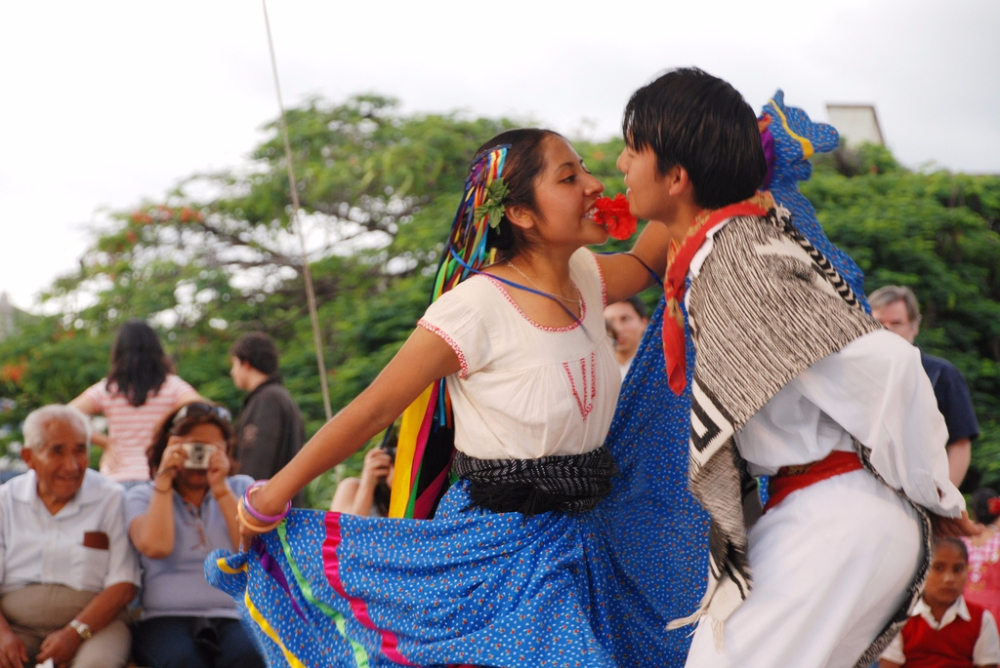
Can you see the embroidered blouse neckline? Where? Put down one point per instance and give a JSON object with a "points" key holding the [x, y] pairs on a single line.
{"points": [[566, 328]]}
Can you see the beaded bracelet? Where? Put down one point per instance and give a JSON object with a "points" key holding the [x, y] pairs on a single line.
{"points": [[260, 516], [256, 528]]}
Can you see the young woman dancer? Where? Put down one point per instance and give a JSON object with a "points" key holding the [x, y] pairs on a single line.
{"points": [[516, 568]]}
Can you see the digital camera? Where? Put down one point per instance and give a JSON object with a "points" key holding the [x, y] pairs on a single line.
{"points": [[198, 455]]}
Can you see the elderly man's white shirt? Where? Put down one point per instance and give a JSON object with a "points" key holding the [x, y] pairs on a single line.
{"points": [[37, 547]]}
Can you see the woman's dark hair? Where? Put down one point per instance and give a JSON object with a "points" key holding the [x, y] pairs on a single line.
{"points": [[525, 159], [138, 364], [693, 119], [181, 421], [980, 505]]}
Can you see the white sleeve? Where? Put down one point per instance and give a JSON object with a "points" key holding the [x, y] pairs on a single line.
{"points": [[876, 388], [987, 649], [894, 652], [457, 319], [123, 564]]}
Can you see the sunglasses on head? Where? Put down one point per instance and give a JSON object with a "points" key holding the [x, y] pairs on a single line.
{"points": [[198, 408]]}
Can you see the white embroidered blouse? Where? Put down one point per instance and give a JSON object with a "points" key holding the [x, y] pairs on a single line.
{"points": [[527, 391]]}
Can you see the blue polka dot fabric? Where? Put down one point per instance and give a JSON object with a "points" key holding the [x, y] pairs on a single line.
{"points": [[482, 589], [472, 587]]}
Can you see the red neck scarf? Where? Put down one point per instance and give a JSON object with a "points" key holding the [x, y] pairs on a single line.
{"points": [[680, 263]]}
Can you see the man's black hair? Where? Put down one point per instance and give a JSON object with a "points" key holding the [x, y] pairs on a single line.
{"points": [[259, 350], [638, 305], [693, 119]]}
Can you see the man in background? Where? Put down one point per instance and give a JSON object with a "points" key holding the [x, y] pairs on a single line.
{"points": [[269, 430], [627, 320], [897, 309]]}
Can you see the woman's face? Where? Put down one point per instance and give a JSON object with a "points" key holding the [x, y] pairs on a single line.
{"points": [[565, 193], [205, 432]]}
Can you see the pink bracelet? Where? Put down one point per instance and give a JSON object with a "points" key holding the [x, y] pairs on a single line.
{"points": [[260, 517]]}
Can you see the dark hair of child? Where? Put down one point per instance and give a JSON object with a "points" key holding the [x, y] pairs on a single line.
{"points": [[693, 119], [980, 505], [959, 546]]}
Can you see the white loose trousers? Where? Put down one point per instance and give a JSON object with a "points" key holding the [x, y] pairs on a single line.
{"points": [[831, 563]]}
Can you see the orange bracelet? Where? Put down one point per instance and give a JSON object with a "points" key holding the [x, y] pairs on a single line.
{"points": [[241, 514]]}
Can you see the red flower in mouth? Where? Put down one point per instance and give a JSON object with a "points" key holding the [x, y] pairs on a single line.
{"points": [[613, 214]]}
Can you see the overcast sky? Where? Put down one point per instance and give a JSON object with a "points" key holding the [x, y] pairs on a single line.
{"points": [[105, 103]]}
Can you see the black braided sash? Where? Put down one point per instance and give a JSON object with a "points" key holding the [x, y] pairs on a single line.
{"points": [[568, 483]]}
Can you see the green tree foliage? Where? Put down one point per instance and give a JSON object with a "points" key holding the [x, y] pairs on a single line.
{"points": [[217, 257], [378, 191], [939, 234]]}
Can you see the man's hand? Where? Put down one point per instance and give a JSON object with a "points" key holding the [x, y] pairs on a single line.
{"points": [[60, 646], [12, 651], [955, 527]]}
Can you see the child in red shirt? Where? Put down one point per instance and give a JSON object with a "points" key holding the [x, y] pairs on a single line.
{"points": [[944, 630]]}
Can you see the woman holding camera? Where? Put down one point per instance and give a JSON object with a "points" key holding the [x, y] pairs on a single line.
{"points": [[187, 510]]}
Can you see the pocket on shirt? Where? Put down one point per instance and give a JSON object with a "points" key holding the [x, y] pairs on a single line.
{"points": [[89, 567]]}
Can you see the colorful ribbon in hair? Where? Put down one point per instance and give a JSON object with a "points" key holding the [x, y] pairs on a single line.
{"points": [[426, 434]]}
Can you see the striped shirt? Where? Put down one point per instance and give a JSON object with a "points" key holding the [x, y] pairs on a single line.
{"points": [[130, 428]]}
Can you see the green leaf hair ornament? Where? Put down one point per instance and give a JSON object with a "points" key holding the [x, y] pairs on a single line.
{"points": [[492, 207]]}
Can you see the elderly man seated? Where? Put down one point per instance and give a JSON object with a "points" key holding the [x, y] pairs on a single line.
{"points": [[67, 570]]}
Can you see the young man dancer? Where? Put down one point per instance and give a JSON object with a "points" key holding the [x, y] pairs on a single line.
{"points": [[793, 380]]}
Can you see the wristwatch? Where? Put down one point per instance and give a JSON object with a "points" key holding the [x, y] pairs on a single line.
{"points": [[81, 629]]}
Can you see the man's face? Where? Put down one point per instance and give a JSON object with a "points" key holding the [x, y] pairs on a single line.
{"points": [[647, 192], [238, 372], [895, 318], [628, 326], [60, 463], [946, 577]]}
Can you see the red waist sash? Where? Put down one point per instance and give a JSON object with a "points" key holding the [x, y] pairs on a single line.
{"points": [[791, 478]]}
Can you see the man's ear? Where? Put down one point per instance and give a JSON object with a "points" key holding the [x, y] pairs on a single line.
{"points": [[521, 216], [28, 455], [678, 181]]}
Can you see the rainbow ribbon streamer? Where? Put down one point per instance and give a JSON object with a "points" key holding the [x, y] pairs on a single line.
{"points": [[426, 434]]}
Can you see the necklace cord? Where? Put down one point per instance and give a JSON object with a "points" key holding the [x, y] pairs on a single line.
{"points": [[553, 294], [468, 267]]}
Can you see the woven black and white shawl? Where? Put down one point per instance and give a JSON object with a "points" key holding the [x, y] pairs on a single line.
{"points": [[765, 306]]}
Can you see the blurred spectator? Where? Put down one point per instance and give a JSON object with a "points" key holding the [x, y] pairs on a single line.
{"points": [[897, 309], [269, 430], [370, 494], [984, 552], [139, 390], [627, 320], [67, 570], [187, 510], [944, 631]]}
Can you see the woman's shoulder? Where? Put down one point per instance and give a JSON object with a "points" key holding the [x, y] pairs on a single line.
{"points": [[239, 483], [174, 384], [471, 291], [470, 300]]}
